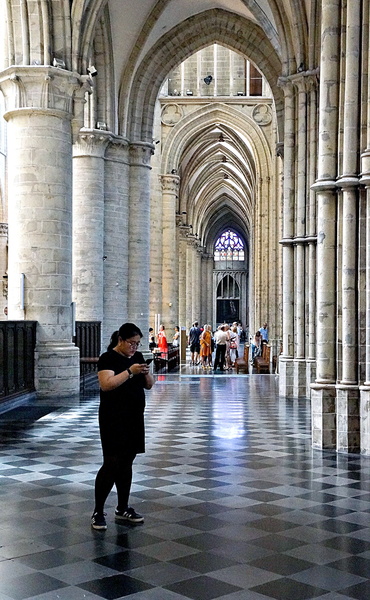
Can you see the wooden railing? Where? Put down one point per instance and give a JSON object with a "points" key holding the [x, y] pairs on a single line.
{"points": [[17, 358], [88, 340]]}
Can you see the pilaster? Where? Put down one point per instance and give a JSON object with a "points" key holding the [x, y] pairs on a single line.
{"points": [[285, 362], [39, 108], [88, 217], [170, 281], [139, 236], [116, 247], [183, 232]]}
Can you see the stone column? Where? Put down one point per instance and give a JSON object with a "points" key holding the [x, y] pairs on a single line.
{"points": [[189, 282], [197, 287], [348, 409], [139, 237], [182, 265], [312, 239], [170, 282], [39, 108], [299, 385], [323, 390], [88, 223], [210, 318], [115, 264], [286, 359], [365, 388]]}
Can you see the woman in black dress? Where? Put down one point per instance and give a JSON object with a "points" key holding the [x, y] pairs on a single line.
{"points": [[123, 376]]}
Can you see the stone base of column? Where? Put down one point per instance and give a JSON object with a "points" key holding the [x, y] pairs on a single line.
{"points": [[348, 418], [286, 377], [299, 378], [365, 419], [310, 375], [57, 369], [324, 427]]}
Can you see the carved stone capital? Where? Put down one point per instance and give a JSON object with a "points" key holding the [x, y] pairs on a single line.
{"points": [[304, 80], [286, 85], [193, 241], [140, 154], [40, 88], [170, 183], [118, 150], [184, 231], [91, 142]]}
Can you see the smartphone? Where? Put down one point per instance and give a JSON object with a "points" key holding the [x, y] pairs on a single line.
{"points": [[148, 361]]}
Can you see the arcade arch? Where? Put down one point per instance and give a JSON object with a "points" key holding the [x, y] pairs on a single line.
{"points": [[224, 173]]}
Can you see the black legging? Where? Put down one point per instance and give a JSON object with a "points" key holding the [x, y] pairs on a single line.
{"points": [[115, 470]]}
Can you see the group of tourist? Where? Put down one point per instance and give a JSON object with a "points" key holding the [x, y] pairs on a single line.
{"points": [[224, 341], [211, 349]]}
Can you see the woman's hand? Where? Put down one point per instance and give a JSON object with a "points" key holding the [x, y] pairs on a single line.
{"points": [[139, 369], [109, 381]]}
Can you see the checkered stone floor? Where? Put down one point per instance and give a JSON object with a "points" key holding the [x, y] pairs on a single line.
{"points": [[237, 505]]}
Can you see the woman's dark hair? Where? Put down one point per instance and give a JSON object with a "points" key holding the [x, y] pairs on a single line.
{"points": [[126, 331]]}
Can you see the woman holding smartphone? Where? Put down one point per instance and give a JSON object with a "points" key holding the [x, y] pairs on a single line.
{"points": [[123, 376]]}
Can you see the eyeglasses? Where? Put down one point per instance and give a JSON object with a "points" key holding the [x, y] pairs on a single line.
{"points": [[133, 344]]}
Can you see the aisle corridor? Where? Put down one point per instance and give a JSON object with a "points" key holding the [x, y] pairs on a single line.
{"points": [[237, 505]]}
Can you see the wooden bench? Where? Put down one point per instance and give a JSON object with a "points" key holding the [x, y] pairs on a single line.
{"points": [[243, 362], [262, 363], [166, 360]]}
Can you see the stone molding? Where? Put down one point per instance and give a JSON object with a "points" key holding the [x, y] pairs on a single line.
{"points": [[40, 87], [324, 185], [171, 114], [348, 182], [312, 239], [91, 142], [262, 115]]}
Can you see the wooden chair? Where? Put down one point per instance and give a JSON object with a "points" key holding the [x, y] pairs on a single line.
{"points": [[262, 363], [243, 362]]}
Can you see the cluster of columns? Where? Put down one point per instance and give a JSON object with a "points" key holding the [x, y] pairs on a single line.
{"points": [[334, 308], [297, 362], [109, 208]]}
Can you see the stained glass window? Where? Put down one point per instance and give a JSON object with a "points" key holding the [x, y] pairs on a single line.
{"points": [[229, 246]]}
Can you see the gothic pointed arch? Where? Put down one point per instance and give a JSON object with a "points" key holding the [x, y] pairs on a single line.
{"points": [[188, 129], [213, 26]]}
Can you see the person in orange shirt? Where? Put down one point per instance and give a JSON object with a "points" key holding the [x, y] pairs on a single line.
{"points": [[205, 347]]}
